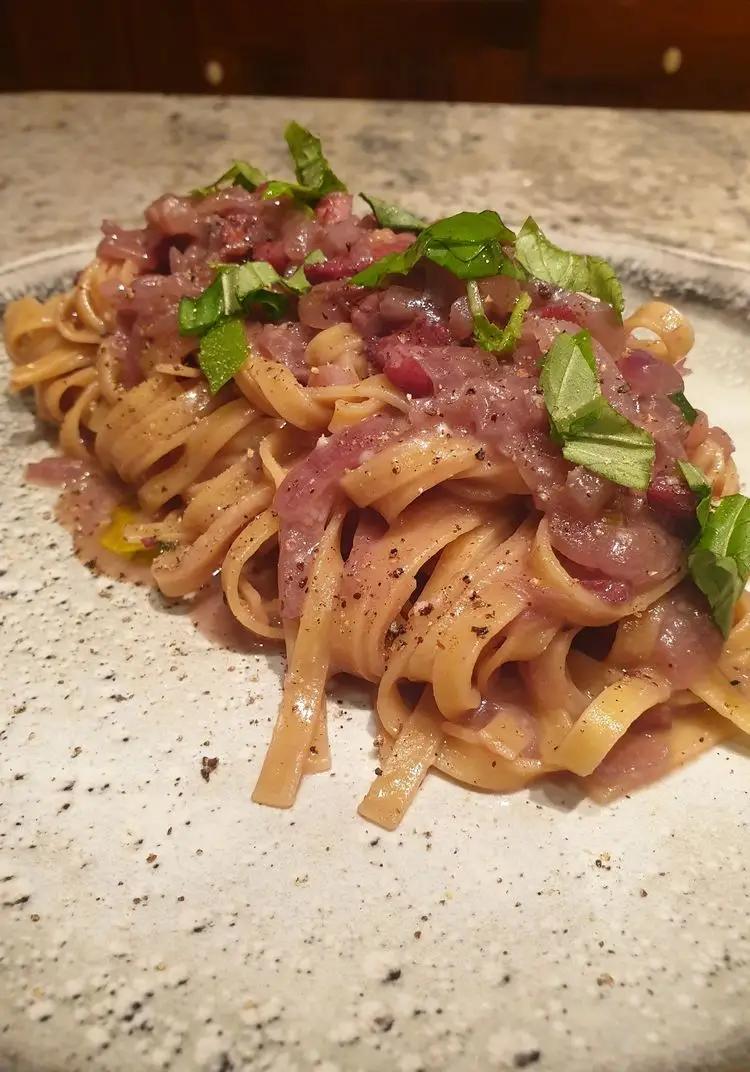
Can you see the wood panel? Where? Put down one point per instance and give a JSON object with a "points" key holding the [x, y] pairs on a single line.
{"points": [[434, 49], [675, 53], [68, 45], [616, 53]]}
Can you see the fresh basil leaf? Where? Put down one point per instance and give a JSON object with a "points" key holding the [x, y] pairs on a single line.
{"points": [[471, 227], [277, 188], [314, 175], [488, 335], [688, 412], [251, 284], [719, 580], [398, 219], [727, 531], [608, 444], [739, 544], [568, 379], [694, 478], [245, 279], [239, 174], [578, 272], [391, 264], [703, 508], [310, 165], [303, 198], [469, 244], [315, 178], [223, 352], [298, 281], [275, 304], [254, 277], [236, 288], [698, 484], [719, 562], [197, 315], [591, 432], [256, 288]]}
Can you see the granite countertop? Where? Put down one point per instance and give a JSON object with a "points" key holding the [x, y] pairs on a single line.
{"points": [[679, 178]]}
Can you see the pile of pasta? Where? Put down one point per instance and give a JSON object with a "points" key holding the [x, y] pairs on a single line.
{"points": [[429, 602]]}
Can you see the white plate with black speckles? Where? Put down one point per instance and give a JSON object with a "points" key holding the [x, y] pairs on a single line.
{"points": [[151, 919]]}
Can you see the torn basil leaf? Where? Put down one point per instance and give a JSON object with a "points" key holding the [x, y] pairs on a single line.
{"points": [[469, 244], [217, 314], [239, 174], [488, 335], [397, 219], [310, 165], [391, 264], [196, 315], [719, 580], [223, 351], [578, 272], [608, 444], [694, 479], [298, 281], [315, 178], [236, 288], [569, 381], [688, 412], [277, 188], [719, 562], [250, 283], [698, 484], [592, 433]]}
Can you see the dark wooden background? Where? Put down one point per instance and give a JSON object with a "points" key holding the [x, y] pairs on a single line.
{"points": [[653, 53]]}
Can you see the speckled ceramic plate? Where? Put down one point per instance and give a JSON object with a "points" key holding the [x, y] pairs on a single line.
{"points": [[152, 919]]}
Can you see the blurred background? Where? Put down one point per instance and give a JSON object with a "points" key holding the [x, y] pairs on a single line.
{"points": [[639, 53]]}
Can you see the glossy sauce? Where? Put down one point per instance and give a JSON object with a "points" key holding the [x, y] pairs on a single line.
{"points": [[85, 508]]}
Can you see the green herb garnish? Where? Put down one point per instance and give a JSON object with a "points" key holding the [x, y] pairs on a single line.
{"points": [[310, 165], [591, 432], [239, 174], [469, 244], [488, 335], [315, 178], [223, 352], [252, 283], [688, 412], [239, 286], [578, 272], [196, 315], [298, 281], [698, 484], [235, 288], [719, 560], [398, 219], [217, 314]]}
